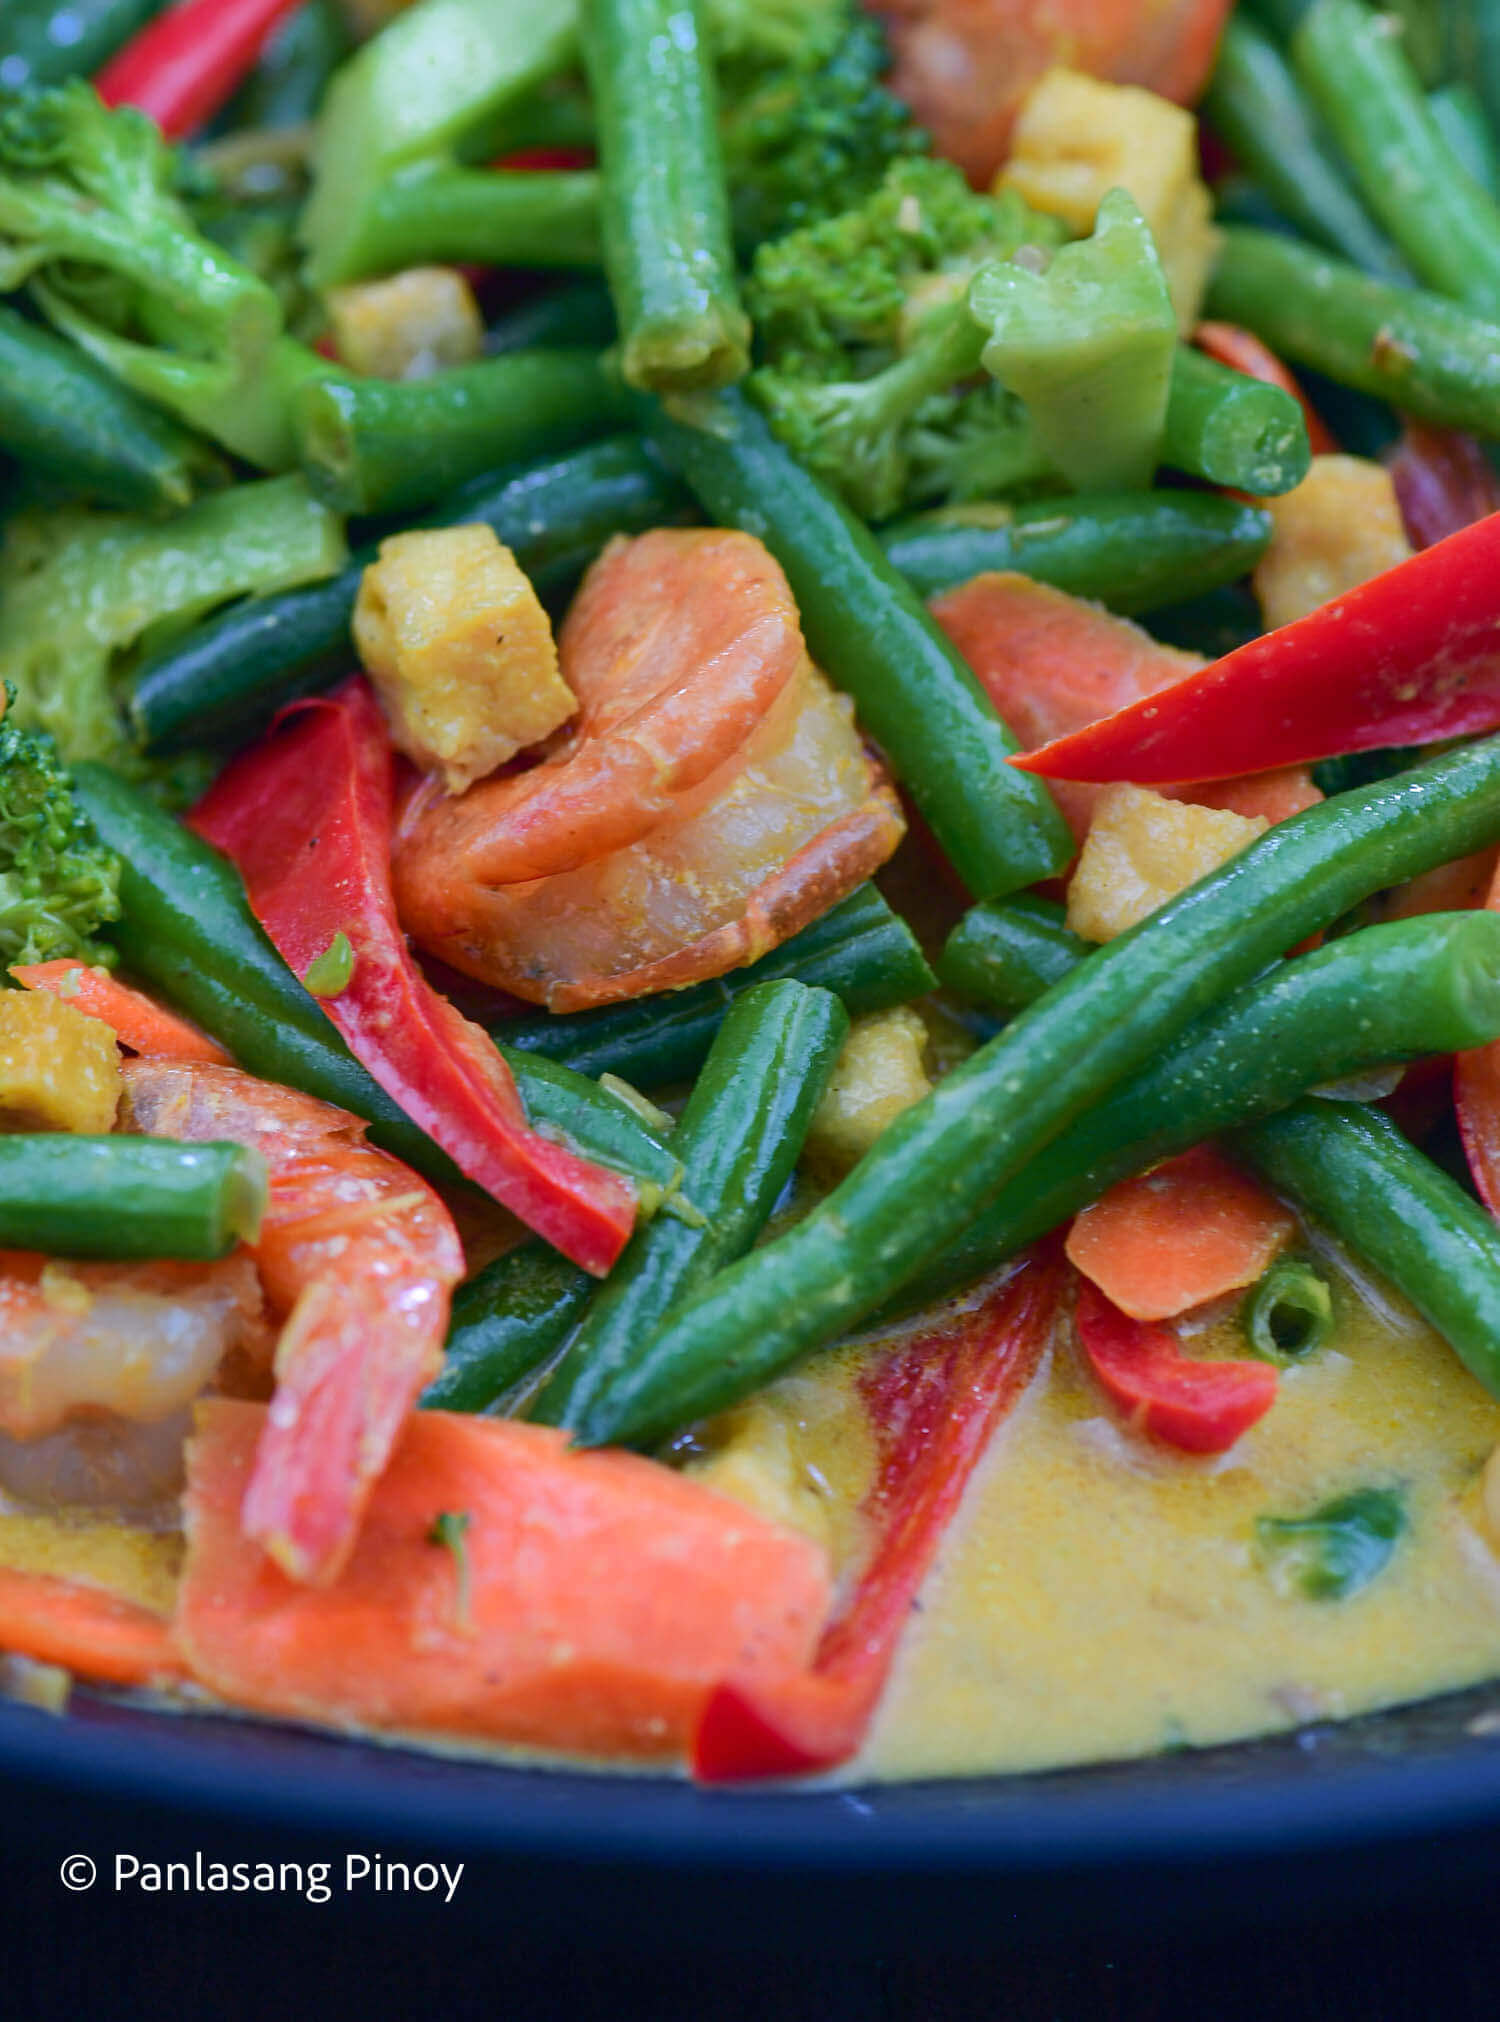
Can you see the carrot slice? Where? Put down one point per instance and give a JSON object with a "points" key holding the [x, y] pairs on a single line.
{"points": [[589, 1605], [1191, 1230], [86, 1630], [934, 1403], [1053, 664], [136, 1020]]}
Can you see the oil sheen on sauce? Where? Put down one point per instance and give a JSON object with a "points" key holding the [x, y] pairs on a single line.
{"points": [[1101, 1596]]}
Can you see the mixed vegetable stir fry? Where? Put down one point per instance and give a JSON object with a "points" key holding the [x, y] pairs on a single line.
{"points": [[586, 817]]}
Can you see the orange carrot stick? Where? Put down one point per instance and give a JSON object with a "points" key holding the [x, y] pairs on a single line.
{"points": [[1191, 1230], [583, 1602], [86, 1630], [136, 1020]]}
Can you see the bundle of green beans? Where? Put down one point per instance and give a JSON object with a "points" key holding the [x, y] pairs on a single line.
{"points": [[946, 1160]]}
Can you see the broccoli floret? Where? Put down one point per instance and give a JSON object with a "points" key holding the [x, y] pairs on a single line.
{"points": [[874, 364], [89, 217], [809, 128], [58, 883]]}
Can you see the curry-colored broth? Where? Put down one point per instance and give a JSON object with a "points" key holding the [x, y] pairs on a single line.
{"points": [[1101, 1596]]}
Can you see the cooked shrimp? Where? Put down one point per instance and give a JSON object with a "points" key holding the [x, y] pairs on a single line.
{"points": [[358, 1257], [664, 868], [137, 1340], [965, 65]]}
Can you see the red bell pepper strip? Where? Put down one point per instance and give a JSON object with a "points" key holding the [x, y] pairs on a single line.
{"points": [[1244, 352], [188, 63], [306, 817], [1444, 482], [1200, 1407], [1409, 657], [934, 1402]]}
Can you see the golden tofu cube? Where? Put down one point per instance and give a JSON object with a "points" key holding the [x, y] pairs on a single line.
{"points": [[1334, 531], [1077, 138], [1141, 850], [408, 325], [460, 651], [59, 1070], [879, 1073]]}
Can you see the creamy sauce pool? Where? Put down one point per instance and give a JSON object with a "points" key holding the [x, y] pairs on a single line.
{"points": [[1101, 1596]]}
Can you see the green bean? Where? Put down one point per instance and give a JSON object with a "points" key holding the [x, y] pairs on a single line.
{"points": [[187, 930], [483, 217], [577, 312], [1281, 17], [870, 633], [1419, 351], [860, 950], [668, 251], [67, 418], [596, 1122], [1131, 550], [286, 86], [507, 1320], [1362, 83], [1289, 1313], [1256, 106], [1005, 954], [943, 1161], [373, 446], [1364, 1000], [738, 1138], [128, 1196], [47, 41], [1459, 114], [228, 676], [1348, 1167], [1230, 429]]}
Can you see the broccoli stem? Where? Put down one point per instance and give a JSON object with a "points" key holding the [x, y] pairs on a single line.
{"points": [[436, 73], [1088, 345], [483, 217]]}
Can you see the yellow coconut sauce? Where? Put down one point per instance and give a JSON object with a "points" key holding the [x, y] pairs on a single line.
{"points": [[1099, 1595], [1102, 1596]]}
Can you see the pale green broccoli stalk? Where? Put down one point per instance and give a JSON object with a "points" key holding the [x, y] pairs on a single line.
{"points": [[410, 99], [88, 216], [58, 883], [874, 374], [1088, 345], [79, 589]]}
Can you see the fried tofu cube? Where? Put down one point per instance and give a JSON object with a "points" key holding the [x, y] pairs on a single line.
{"points": [[1141, 850], [408, 325], [460, 651], [1334, 531], [59, 1070], [1077, 138], [879, 1073]]}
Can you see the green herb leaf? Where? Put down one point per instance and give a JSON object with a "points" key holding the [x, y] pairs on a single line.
{"points": [[450, 1528], [331, 973], [1338, 1549]]}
